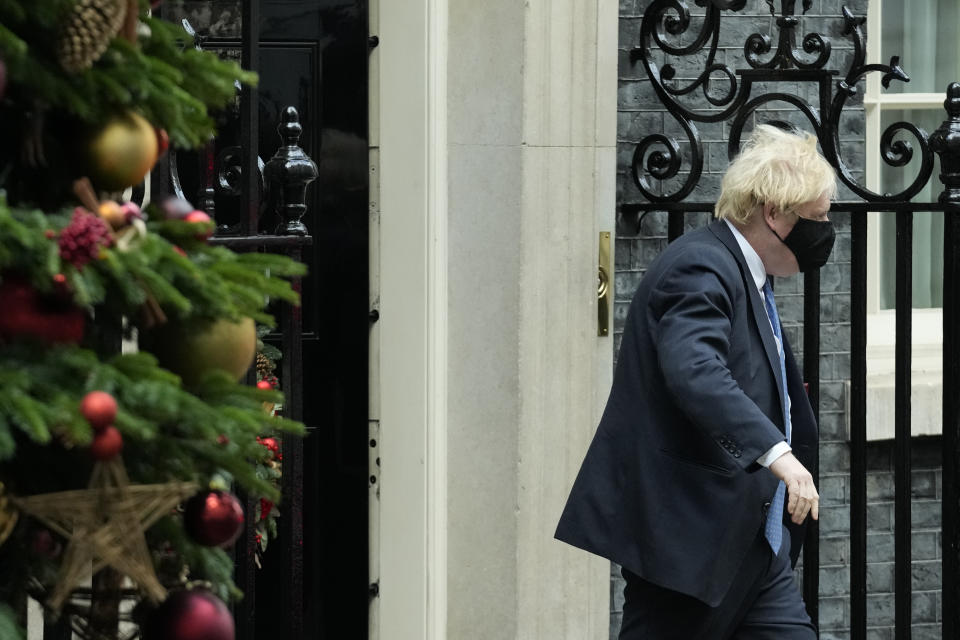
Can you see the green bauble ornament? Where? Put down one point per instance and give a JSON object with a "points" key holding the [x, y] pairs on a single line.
{"points": [[195, 347]]}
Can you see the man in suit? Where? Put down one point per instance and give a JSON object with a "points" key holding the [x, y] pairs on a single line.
{"points": [[697, 481]]}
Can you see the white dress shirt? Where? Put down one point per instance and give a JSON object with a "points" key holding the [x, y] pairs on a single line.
{"points": [[759, 274]]}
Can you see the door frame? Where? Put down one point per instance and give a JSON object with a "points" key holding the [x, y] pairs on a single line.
{"points": [[409, 343]]}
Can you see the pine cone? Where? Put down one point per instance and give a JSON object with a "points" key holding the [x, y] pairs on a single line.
{"points": [[87, 32], [264, 366]]}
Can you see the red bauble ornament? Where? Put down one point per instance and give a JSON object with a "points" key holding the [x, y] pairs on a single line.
{"points": [[213, 518], [99, 408], [163, 142], [264, 385], [107, 444], [24, 313], [199, 217], [190, 615]]}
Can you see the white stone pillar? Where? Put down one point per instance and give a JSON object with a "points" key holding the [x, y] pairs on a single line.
{"points": [[493, 143], [532, 130]]}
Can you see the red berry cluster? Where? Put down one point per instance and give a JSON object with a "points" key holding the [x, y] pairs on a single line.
{"points": [[265, 507], [80, 241], [272, 445]]}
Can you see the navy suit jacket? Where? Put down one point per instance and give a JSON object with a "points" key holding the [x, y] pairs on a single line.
{"points": [[670, 488]]}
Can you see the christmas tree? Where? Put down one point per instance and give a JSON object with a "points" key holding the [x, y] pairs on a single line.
{"points": [[116, 463]]}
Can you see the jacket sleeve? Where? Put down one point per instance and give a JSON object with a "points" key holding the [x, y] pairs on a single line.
{"points": [[692, 309]]}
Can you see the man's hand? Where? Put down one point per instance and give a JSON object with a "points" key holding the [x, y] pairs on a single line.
{"points": [[802, 494]]}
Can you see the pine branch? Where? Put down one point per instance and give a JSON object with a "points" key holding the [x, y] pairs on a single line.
{"points": [[9, 628]]}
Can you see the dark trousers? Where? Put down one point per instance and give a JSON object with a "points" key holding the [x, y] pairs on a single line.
{"points": [[763, 604]]}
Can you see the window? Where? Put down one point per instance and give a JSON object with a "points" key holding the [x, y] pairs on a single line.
{"points": [[923, 34]]}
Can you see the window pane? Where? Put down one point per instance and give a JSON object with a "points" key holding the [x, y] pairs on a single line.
{"points": [[924, 34], [927, 226]]}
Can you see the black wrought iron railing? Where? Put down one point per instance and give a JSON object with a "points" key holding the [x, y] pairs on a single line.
{"points": [[667, 172]]}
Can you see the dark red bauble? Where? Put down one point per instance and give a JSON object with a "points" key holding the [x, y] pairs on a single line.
{"points": [[42, 543], [99, 408], [190, 615], [107, 444], [24, 313], [213, 518]]}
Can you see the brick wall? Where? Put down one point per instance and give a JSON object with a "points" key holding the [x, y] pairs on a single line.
{"points": [[639, 114]]}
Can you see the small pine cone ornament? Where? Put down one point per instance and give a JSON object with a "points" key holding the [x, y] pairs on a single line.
{"points": [[264, 366], [87, 32], [80, 241]]}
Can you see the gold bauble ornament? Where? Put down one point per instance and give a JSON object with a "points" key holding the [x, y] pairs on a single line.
{"points": [[192, 348], [121, 153], [113, 214]]}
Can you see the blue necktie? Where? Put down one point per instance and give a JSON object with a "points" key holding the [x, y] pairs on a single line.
{"points": [[773, 529]]}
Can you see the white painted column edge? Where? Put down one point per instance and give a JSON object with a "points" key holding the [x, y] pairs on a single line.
{"points": [[413, 320], [437, 309]]}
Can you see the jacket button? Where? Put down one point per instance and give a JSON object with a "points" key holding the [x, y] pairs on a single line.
{"points": [[766, 505]]}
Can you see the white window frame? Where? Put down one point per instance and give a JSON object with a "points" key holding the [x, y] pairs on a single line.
{"points": [[927, 338]]}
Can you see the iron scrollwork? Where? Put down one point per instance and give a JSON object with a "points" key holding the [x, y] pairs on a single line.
{"points": [[787, 56], [658, 156], [895, 153]]}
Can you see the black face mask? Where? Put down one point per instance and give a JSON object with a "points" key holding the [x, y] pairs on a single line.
{"points": [[811, 241]]}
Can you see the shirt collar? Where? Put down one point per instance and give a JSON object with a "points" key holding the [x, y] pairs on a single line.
{"points": [[757, 270]]}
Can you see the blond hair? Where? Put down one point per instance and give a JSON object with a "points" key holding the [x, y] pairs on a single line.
{"points": [[775, 167]]}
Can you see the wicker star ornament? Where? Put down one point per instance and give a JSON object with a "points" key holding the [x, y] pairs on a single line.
{"points": [[104, 525]]}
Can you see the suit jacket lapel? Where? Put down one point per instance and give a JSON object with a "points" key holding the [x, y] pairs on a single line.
{"points": [[762, 322]]}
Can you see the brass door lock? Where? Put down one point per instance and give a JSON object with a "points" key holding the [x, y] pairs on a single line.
{"points": [[604, 285]]}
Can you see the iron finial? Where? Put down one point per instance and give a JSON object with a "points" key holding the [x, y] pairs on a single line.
{"points": [[288, 173]]}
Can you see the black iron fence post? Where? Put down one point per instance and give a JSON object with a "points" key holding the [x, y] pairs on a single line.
{"points": [[945, 141], [288, 173]]}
